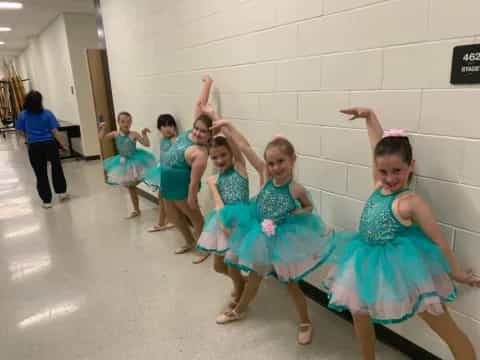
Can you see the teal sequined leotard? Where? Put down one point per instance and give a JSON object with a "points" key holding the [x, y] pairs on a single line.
{"points": [[130, 165], [172, 174], [165, 145], [388, 270], [296, 247]]}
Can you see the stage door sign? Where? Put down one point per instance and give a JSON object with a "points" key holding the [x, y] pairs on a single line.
{"points": [[466, 65]]}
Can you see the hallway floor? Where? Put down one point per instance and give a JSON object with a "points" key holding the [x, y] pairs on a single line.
{"points": [[80, 282]]}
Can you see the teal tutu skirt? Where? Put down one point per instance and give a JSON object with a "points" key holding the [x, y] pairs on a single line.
{"points": [[297, 247], [123, 170], [391, 282], [213, 238], [173, 183]]}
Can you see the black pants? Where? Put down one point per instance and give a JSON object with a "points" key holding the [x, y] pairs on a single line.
{"points": [[39, 154]]}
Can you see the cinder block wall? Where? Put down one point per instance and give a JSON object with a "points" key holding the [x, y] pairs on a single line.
{"points": [[287, 66]]}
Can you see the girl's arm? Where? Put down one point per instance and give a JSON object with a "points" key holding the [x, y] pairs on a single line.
{"points": [[299, 193], [375, 130], [415, 208], [101, 132], [240, 163], [217, 199], [236, 152], [199, 164], [204, 95], [257, 162], [143, 139]]}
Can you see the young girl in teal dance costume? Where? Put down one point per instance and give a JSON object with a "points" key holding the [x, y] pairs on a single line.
{"points": [[230, 191], [130, 165], [167, 127], [179, 176], [398, 264], [279, 234]]}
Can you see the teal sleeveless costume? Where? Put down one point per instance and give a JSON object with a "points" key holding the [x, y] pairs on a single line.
{"points": [[234, 191], [388, 270], [130, 165], [172, 174], [165, 145], [296, 246]]}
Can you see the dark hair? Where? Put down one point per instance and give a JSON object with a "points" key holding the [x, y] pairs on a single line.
{"points": [[207, 120], [33, 102], [219, 141], [284, 144], [395, 145], [166, 120], [126, 113]]}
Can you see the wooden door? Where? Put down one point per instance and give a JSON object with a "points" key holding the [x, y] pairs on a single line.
{"points": [[102, 96]]}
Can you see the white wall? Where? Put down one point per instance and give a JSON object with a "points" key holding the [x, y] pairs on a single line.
{"points": [[22, 69], [82, 34], [288, 66], [55, 61], [49, 59]]}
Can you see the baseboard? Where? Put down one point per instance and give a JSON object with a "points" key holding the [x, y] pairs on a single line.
{"points": [[384, 334], [91, 157], [147, 195]]}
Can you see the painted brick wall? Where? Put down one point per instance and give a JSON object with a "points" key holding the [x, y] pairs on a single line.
{"points": [[287, 66]]}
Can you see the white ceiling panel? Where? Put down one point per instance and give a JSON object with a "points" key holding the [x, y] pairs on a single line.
{"points": [[33, 18]]}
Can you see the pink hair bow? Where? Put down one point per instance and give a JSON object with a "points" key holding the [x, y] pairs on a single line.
{"points": [[279, 136], [394, 133]]}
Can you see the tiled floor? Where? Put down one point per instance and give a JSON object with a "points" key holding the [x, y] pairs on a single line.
{"points": [[79, 282]]}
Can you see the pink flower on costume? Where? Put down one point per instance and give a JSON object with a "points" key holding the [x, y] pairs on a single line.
{"points": [[122, 159], [279, 136], [268, 227], [394, 133]]}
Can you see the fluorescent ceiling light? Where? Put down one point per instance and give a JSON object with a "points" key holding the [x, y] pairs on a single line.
{"points": [[8, 5], [2, 42], [5, 29]]}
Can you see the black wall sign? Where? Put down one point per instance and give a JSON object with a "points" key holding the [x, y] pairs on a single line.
{"points": [[466, 65]]}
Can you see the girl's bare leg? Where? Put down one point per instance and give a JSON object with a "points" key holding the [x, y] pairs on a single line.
{"points": [[180, 223], [196, 218], [366, 335], [305, 329], [447, 329], [132, 190]]}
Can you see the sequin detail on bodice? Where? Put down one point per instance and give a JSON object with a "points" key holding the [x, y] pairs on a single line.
{"points": [[275, 202], [175, 156], [232, 187], [378, 224], [125, 145], [165, 145]]}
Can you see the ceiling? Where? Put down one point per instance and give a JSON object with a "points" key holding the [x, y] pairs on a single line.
{"points": [[33, 18]]}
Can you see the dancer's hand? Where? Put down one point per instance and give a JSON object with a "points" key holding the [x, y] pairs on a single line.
{"points": [[212, 180], [208, 109], [63, 146], [357, 112], [145, 131], [467, 278], [219, 124], [192, 201], [101, 125], [207, 78]]}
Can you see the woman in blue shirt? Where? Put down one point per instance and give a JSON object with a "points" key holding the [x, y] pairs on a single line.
{"points": [[40, 127]]}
